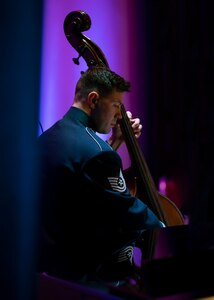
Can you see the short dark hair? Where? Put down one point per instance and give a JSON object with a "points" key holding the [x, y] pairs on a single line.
{"points": [[101, 79]]}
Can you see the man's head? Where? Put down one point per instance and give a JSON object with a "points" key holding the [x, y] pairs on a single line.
{"points": [[99, 92]]}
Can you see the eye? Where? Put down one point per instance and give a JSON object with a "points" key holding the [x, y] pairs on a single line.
{"points": [[117, 105]]}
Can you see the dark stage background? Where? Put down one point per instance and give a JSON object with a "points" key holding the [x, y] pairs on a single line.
{"points": [[180, 101]]}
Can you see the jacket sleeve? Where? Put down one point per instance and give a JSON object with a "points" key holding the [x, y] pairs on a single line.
{"points": [[104, 174]]}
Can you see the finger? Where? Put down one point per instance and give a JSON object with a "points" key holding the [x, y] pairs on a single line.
{"points": [[140, 127], [138, 131], [137, 135], [129, 114], [135, 122]]}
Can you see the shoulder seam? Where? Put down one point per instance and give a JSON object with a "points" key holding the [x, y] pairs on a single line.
{"points": [[96, 141]]}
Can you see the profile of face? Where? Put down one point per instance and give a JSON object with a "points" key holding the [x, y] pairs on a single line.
{"points": [[107, 111]]}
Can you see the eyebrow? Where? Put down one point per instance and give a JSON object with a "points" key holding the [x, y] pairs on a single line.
{"points": [[117, 100]]}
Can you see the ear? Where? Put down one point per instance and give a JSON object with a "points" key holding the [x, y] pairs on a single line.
{"points": [[92, 99]]}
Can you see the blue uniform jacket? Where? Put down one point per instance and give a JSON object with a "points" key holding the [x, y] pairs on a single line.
{"points": [[88, 213]]}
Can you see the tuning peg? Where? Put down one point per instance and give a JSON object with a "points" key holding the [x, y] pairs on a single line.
{"points": [[76, 60]]}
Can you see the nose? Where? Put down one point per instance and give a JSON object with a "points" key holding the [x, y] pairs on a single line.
{"points": [[119, 113]]}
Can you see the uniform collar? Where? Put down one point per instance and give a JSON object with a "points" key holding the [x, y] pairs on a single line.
{"points": [[79, 115]]}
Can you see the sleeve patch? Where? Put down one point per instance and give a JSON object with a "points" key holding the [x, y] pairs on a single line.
{"points": [[117, 183]]}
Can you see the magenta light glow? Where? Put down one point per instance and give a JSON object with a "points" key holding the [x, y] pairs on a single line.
{"points": [[112, 30]]}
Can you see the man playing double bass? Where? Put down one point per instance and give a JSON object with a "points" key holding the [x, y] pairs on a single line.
{"points": [[90, 220]]}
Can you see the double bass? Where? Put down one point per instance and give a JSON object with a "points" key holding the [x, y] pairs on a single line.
{"points": [[138, 177]]}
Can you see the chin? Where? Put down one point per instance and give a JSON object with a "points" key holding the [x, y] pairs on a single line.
{"points": [[105, 131]]}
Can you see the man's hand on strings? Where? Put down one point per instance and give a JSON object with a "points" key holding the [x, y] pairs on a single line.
{"points": [[136, 125], [117, 138]]}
